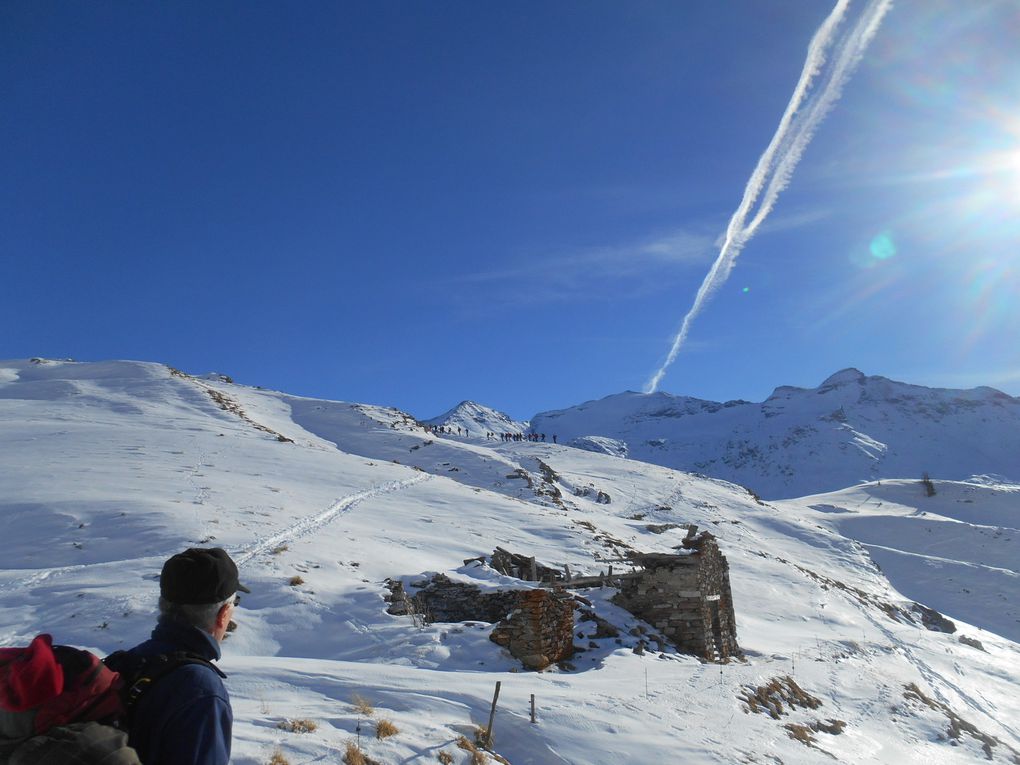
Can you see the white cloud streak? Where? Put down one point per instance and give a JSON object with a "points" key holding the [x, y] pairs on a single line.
{"points": [[804, 113], [568, 275]]}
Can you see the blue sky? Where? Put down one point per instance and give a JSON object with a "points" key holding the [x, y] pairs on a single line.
{"points": [[416, 203]]}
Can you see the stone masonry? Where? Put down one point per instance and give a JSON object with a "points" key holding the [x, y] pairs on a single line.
{"points": [[687, 597], [540, 631], [535, 626]]}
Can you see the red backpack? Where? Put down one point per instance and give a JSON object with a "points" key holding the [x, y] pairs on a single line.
{"points": [[58, 705]]}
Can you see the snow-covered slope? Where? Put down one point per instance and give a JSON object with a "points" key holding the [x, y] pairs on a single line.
{"points": [[800, 441], [956, 550], [108, 468]]}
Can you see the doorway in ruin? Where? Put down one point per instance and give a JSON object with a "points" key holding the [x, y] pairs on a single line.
{"points": [[717, 636]]}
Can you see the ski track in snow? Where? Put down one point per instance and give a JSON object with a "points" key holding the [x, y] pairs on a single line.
{"points": [[315, 522], [301, 528], [931, 676], [940, 559], [45, 574]]}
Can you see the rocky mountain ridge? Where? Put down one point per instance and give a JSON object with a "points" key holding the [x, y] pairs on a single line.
{"points": [[801, 441]]}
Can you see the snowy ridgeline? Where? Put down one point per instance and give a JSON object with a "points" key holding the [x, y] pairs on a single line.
{"points": [[842, 601], [851, 429]]}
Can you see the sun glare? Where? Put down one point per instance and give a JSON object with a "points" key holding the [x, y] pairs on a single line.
{"points": [[1004, 168], [1013, 171]]}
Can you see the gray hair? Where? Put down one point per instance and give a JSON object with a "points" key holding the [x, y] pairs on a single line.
{"points": [[200, 615]]}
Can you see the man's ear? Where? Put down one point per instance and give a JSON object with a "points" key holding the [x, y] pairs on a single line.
{"points": [[223, 617]]}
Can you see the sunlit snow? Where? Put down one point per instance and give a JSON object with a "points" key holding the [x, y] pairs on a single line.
{"points": [[108, 468]]}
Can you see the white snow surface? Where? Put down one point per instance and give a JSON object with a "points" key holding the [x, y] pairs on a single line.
{"points": [[849, 430], [600, 444], [108, 468]]}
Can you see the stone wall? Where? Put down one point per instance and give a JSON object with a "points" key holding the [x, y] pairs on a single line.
{"points": [[442, 600], [540, 631], [686, 597], [535, 626]]}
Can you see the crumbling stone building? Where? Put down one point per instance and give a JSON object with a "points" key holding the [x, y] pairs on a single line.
{"points": [[535, 626], [685, 596]]}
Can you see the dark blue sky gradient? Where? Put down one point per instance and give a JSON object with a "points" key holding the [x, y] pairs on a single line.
{"points": [[396, 202]]}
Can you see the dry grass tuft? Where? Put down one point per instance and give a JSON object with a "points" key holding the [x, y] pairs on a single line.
{"points": [[353, 755], [297, 726], [771, 697], [278, 758], [385, 729], [446, 758], [362, 705], [279, 550], [800, 732], [295, 581], [477, 756]]}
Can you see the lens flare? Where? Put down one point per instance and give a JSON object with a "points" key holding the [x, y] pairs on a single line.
{"points": [[882, 247]]}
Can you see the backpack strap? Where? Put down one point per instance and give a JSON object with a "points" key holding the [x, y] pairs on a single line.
{"points": [[140, 673]]}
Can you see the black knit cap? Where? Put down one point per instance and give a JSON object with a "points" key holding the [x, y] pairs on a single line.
{"points": [[200, 576]]}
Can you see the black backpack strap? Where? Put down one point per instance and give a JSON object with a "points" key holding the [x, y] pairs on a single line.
{"points": [[140, 673]]}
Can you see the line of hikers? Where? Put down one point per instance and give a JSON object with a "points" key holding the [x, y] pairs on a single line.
{"points": [[535, 437], [447, 430], [450, 430]]}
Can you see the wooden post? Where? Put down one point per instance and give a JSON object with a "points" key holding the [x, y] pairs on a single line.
{"points": [[534, 570], [610, 572], [566, 569], [492, 714], [533, 708]]}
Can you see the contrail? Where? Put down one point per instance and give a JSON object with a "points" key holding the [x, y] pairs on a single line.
{"points": [[804, 113]]}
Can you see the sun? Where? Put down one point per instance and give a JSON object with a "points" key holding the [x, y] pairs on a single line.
{"points": [[1003, 169], [1013, 171]]}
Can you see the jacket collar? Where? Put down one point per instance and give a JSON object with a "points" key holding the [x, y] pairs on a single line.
{"points": [[184, 637]]}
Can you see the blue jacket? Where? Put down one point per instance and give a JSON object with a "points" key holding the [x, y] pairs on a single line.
{"points": [[185, 717]]}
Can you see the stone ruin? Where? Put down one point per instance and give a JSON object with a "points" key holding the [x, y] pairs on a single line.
{"points": [[535, 626], [686, 597], [540, 629]]}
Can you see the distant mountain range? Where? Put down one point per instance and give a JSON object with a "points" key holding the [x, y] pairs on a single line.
{"points": [[802, 441]]}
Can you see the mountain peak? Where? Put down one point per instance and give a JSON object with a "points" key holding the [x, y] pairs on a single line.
{"points": [[843, 377], [473, 416]]}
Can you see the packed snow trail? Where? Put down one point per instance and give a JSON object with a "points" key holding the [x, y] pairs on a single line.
{"points": [[45, 574], [313, 523], [302, 528]]}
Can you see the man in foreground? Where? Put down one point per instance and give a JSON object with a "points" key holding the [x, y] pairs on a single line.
{"points": [[183, 717]]}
